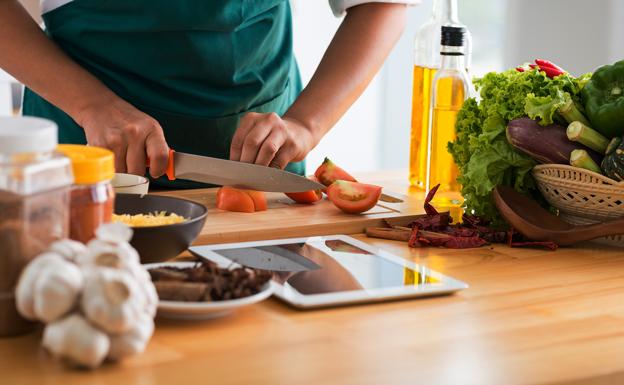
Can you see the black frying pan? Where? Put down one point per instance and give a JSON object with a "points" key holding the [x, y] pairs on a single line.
{"points": [[160, 243]]}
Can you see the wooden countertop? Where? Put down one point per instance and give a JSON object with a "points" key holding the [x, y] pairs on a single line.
{"points": [[529, 317]]}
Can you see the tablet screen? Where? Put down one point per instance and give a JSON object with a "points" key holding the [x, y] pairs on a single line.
{"points": [[333, 265]]}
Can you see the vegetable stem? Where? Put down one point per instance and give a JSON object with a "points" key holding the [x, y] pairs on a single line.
{"points": [[579, 132], [570, 113], [580, 158]]}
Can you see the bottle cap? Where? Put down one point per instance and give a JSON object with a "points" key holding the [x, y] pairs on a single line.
{"points": [[90, 164], [452, 36], [22, 135]]}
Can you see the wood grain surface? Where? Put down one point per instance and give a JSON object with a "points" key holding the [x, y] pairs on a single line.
{"points": [[530, 317]]}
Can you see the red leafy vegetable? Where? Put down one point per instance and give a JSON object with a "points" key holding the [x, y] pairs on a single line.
{"points": [[435, 229]]}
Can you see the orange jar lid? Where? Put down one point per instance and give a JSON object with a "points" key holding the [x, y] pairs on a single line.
{"points": [[90, 164]]}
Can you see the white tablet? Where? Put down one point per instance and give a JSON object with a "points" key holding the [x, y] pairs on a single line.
{"points": [[332, 270]]}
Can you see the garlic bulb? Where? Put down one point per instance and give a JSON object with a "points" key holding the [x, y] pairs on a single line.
{"points": [[117, 299], [28, 292], [75, 339], [114, 233], [134, 340], [112, 299], [69, 249], [56, 291], [106, 254]]}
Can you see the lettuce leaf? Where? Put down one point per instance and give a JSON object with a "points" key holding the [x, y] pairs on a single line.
{"points": [[481, 151]]}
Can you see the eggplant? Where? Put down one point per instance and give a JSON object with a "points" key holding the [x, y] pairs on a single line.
{"points": [[545, 144]]}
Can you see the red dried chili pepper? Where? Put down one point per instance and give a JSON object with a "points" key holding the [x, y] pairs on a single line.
{"points": [[520, 69], [550, 69]]}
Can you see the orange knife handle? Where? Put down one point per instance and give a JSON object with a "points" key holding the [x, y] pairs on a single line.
{"points": [[170, 166], [170, 172]]}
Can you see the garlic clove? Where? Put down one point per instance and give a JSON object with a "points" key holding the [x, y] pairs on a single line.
{"points": [[76, 339], [24, 291], [134, 341], [69, 249], [114, 233], [105, 254], [56, 291], [112, 299]]}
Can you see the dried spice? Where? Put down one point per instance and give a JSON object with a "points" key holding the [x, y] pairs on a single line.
{"points": [[434, 229], [28, 224], [207, 282]]}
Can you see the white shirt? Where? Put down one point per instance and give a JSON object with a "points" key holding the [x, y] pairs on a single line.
{"points": [[339, 7]]}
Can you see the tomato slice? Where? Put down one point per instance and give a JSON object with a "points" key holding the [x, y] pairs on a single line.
{"points": [[307, 196], [258, 198], [328, 172], [232, 199], [353, 197]]}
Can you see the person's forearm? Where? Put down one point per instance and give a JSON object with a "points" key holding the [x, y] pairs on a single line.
{"points": [[33, 59], [354, 56]]}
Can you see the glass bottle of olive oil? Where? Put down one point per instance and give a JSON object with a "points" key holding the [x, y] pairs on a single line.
{"points": [[450, 87], [426, 63]]}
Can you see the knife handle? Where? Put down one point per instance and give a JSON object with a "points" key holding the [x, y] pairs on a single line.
{"points": [[170, 172]]}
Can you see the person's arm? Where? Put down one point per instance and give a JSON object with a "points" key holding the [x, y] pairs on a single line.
{"points": [[356, 53], [108, 120]]}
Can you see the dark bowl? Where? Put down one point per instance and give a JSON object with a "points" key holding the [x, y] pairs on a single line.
{"points": [[160, 243]]}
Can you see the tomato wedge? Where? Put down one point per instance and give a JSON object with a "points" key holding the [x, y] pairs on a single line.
{"points": [[307, 196], [258, 198], [245, 201], [353, 197], [328, 172]]}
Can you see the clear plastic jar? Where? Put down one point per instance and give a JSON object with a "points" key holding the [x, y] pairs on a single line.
{"points": [[34, 204], [92, 195]]}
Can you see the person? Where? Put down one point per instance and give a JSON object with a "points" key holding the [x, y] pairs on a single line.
{"points": [[215, 78]]}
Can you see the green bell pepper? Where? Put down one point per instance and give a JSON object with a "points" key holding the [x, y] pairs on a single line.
{"points": [[604, 99]]}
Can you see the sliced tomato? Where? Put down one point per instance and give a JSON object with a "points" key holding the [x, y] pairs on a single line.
{"points": [[232, 199], [353, 197], [259, 200], [328, 172], [307, 196]]}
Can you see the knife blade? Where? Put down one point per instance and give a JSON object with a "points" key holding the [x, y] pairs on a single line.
{"points": [[272, 258], [236, 174]]}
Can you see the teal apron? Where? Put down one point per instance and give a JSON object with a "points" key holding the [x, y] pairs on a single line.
{"points": [[195, 66]]}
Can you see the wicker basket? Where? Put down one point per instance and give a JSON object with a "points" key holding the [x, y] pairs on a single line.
{"points": [[582, 196]]}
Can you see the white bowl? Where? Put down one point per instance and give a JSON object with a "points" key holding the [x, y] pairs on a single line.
{"points": [[130, 184]]}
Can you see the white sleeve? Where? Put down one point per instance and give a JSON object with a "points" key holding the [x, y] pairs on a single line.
{"points": [[340, 6]]}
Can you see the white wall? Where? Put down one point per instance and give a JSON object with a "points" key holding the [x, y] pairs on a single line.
{"points": [[579, 35]]}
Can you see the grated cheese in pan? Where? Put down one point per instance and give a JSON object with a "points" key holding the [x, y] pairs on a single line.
{"points": [[152, 219]]}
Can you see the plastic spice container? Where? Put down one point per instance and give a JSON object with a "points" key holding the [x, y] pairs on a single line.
{"points": [[92, 195], [34, 204]]}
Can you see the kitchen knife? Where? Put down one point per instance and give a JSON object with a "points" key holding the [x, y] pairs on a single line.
{"points": [[236, 174], [272, 258]]}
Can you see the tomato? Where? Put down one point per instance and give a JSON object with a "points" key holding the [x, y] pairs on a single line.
{"points": [[231, 199], [353, 197], [259, 200], [329, 172], [307, 196]]}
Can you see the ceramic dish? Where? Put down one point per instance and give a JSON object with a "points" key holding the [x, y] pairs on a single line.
{"points": [[205, 310], [130, 184], [160, 243]]}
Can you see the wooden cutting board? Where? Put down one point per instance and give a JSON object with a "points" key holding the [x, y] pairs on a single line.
{"points": [[287, 219]]}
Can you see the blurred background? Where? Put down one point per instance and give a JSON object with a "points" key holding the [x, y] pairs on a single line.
{"points": [[579, 35]]}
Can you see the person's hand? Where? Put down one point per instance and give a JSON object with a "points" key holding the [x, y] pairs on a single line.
{"points": [[129, 133], [269, 140]]}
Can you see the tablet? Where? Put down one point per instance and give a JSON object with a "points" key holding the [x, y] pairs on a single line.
{"points": [[332, 270]]}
